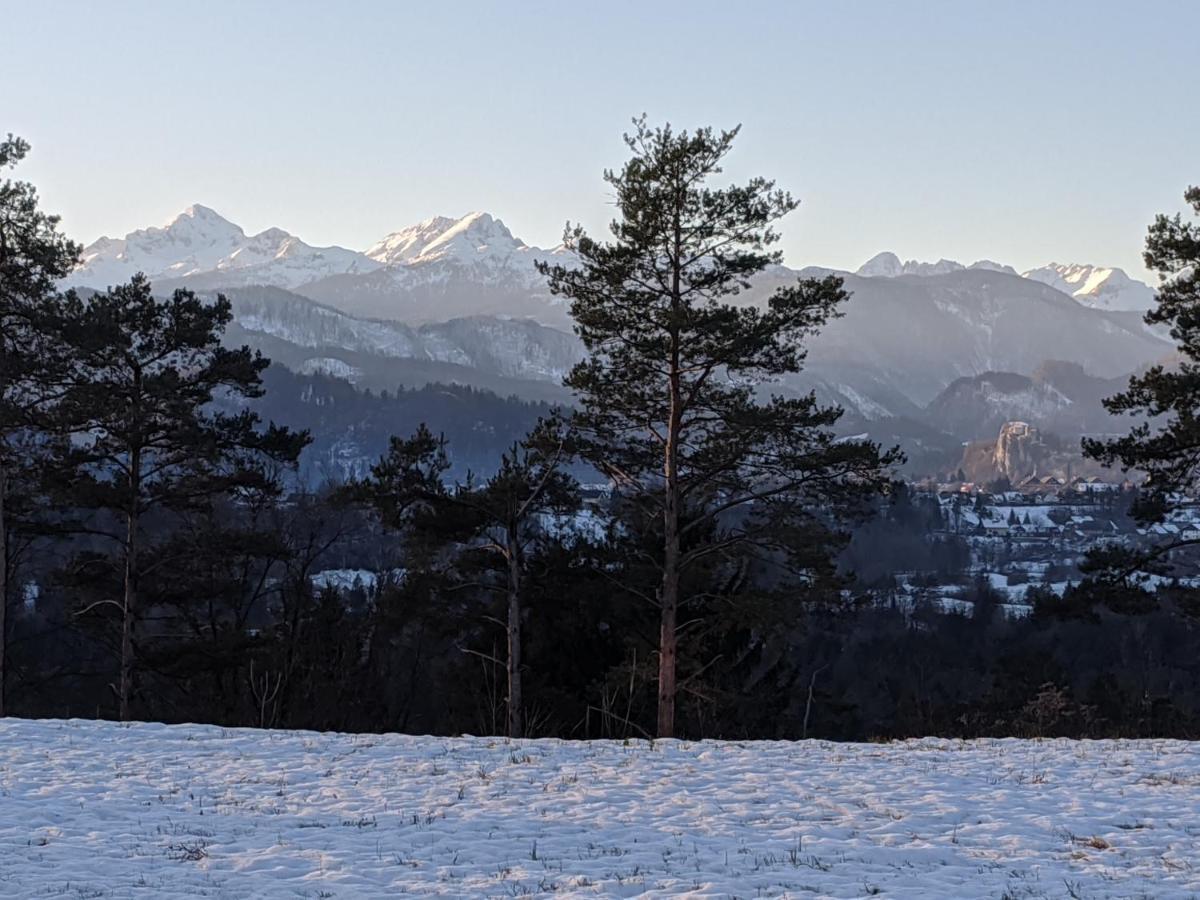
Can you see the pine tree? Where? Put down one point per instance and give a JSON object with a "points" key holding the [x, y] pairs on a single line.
{"points": [[499, 516], [150, 438], [33, 256], [1164, 450], [213, 577], [669, 401], [505, 521]]}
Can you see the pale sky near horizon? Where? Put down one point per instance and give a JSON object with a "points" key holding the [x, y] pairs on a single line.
{"points": [[1018, 131]]}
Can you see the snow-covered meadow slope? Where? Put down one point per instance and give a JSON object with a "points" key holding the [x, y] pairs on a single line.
{"points": [[90, 809]]}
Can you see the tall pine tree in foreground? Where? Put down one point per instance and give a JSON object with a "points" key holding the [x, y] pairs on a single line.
{"points": [[1168, 449], [150, 440], [670, 400], [33, 256]]}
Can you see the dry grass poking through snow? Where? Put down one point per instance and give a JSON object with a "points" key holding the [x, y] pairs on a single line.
{"points": [[90, 809]]}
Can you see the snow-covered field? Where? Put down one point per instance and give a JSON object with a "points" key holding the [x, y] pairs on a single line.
{"points": [[91, 809]]}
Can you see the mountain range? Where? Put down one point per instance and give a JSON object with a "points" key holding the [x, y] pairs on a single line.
{"points": [[441, 255], [937, 352], [428, 272], [199, 245], [1095, 286]]}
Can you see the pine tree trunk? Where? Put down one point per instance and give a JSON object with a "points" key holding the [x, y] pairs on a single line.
{"points": [[668, 600], [667, 642], [129, 606], [669, 594], [3, 585], [515, 724]]}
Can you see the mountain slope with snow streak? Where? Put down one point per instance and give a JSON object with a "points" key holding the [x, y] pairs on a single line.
{"points": [[509, 348], [1096, 286]]}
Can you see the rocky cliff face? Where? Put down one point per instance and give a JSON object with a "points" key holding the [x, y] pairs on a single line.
{"points": [[1019, 450]]}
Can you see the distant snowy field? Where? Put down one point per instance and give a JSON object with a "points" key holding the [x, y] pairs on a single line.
{"points": [[91, 809]]}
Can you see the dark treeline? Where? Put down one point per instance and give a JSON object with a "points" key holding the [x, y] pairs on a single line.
{"points": [[350, 427], [242, 636], [165, 557]]}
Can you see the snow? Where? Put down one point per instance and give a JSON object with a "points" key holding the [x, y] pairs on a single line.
{"points": [[440, 248], [476, 239], [862, 404], [205, 248], [989, 265], [511, 348], [888, 265], [1096, 286], [329, 365], [93, 809], [201, 248], [344, 579], [587, 524], [1104, 288], [407, 244], [200, 241], [882, 265]]}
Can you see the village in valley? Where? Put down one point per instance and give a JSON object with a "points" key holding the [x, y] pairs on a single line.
{"points": [[1026, 538]]}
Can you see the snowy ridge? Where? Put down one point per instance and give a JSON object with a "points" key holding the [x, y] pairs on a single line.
{"points": [[1103, 288], [201, 245], [97, 809], [401, 247], [516, 349], [901, 341], [888, 265], [444, 268], [477, 247], [328, 365], [443, 257], [476, 237], [202, 249], [448, 260]]}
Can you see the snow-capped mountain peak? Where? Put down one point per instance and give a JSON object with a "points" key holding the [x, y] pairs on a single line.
{"points": [[400, 247], [1100, 287], [988, 265], [201, 217], [476, 236], [201, 246], [882, 265], [888, 265]]}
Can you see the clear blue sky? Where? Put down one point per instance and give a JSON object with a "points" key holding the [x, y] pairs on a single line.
{"points": [[1021, 131]]}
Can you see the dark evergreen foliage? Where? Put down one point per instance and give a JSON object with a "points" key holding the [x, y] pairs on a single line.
{"points": [[1165, 445], [495, 525], [351, 427], [33, 256], [148, 442], [671, 405]]}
